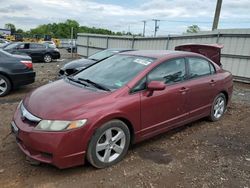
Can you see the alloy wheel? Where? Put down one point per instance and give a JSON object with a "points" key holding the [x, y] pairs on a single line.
{"points": [[110, 145], [47, 58], [219, 107], [3, 86]]}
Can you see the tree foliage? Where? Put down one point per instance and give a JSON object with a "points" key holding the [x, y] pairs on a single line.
{"points": [[11, 27], [193, 29], [63, 30]]}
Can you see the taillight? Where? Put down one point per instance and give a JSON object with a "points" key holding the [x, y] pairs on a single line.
{"points": [[28, 64]]}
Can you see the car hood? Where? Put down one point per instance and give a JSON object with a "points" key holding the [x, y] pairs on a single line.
{"points": [[78, 63], [61, 100]]}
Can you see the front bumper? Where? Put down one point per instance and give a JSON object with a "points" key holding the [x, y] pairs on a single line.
{"points": [[61, 149]]}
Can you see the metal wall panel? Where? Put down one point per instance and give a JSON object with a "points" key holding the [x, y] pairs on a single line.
{"points": [[82, 51], [98, 42], [93, 51], [150, 44], [120, 43]]}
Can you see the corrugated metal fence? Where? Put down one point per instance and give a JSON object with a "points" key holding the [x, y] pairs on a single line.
{"points": [[235, 54]]}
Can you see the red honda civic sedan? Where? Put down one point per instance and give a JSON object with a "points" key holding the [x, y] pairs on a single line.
{"points": [[97, 113]]}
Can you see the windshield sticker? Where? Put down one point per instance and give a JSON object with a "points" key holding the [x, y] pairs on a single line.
{"points": [[119, 84], [142, 61]]}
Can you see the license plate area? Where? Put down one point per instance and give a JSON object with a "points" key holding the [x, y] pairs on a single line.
{"points": [[14, 128]]}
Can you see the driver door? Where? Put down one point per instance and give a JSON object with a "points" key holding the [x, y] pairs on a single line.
{"points": [[165, 109]]}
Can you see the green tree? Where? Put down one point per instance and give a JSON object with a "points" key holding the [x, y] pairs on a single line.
{"points": [[193, 29], [10, 26]]}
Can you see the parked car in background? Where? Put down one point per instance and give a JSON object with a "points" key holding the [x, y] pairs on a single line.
{"points": [[50, 44], [37, 51], [15, 71], [3, 43], [97, 113], [82, 63]]}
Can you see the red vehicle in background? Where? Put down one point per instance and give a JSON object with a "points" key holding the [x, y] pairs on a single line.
{"points": [[97, 113]]}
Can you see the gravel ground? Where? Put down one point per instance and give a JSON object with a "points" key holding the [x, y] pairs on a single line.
{"points": [[201, 154]]}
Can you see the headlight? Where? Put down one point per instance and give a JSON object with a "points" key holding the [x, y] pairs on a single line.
{"points": [[56, 49], [48, 125]]}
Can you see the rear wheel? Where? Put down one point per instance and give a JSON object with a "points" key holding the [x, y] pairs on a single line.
{"points": [[47, 58], [218, 108], [5, 86], [109, 144]]}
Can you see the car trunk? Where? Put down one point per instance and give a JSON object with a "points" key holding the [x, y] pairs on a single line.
{"points": [[211, 51]]}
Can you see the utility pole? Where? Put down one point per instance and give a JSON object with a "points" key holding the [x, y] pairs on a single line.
{"points": [[156, 26], [217, 14], [144, 26]]}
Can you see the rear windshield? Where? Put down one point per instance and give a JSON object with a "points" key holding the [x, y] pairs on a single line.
{"points": [[102, 55], [5, 53], [11, 46]]}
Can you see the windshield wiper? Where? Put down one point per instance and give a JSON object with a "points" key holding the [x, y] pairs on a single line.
{"points": [[99, 86], [77, 81]]}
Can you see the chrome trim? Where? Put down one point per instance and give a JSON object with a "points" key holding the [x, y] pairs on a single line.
{"points": [[25, 114]]}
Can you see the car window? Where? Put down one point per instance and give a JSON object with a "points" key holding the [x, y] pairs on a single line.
{"points": [[169, 72], [116, 71], [198, 67], [35, 46], [141, 85]]}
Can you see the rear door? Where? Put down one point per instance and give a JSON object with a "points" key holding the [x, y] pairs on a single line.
{"points": [[202, 84]]}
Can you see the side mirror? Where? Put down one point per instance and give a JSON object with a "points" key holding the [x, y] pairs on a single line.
{"points": [[156, 86]]}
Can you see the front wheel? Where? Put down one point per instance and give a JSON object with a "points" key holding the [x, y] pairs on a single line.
{"points": [[218, 108], [109, 144], [47, 58]]}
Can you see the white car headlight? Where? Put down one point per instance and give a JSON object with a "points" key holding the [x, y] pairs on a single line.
{"points": [[49, 125]]}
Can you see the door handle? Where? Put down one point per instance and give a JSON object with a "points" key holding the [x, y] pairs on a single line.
{"points": [[212, 82]]}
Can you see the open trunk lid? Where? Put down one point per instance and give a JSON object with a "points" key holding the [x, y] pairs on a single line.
{"points": [[211, 51]]}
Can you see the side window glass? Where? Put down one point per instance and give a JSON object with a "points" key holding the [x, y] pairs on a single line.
{"points": [[198, 67], [21, 46], [212, 69], [169, 72], [141, 85]]}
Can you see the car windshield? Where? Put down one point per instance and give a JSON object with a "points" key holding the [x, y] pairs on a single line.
{"points": [[11, 46], [116, 71], [102, 55]]}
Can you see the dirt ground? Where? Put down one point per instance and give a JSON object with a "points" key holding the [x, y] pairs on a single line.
{"points": [[201, 154]]}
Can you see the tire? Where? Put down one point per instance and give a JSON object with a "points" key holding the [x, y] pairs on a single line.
{"points": [[105, 149], [47, 58], [5, 86], [218, 108]]}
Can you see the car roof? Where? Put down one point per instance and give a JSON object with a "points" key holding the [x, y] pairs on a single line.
{"points": [[157, 53]]}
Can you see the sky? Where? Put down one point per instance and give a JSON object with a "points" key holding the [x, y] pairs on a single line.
{"points": [[117, 15]]}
